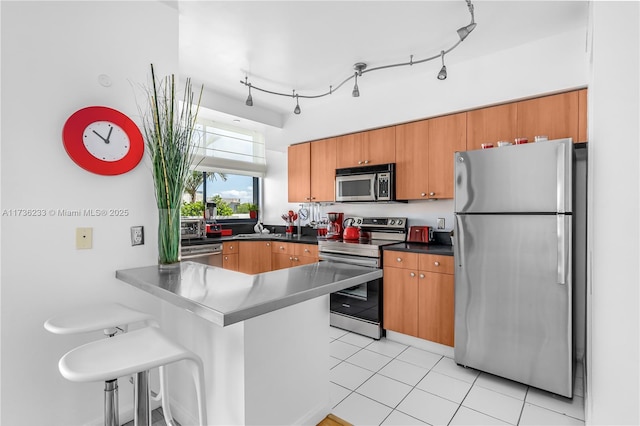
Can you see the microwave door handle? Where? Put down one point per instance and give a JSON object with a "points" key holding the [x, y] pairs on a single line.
{"points": [[375, 187]]}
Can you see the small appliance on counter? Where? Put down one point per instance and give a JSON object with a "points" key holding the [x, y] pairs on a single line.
{"points": [[192, 227], [420, 234], [351, 227], [334, 228]]}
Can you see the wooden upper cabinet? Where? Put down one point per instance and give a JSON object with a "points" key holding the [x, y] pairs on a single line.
{"points": [[349, 150], [554, 116], [412, 159], [323, 170], [311, 171], [447, 135], [491, 125], [582, 116], [366, 148], [299, 172], [379, 146]]}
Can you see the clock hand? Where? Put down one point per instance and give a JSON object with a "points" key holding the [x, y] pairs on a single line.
{"points": [[98, 134], [109, 135]]}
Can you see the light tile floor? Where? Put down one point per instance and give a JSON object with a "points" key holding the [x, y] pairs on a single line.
{"points": [[386, 383]]}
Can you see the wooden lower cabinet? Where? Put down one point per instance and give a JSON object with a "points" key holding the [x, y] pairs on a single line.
{"points": [[230, 255], [287, 255], [418, 295], [436, 313], [400, 300], [254, 257]]}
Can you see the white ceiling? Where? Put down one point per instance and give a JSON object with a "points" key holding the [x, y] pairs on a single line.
{"points": [[309, 45]]}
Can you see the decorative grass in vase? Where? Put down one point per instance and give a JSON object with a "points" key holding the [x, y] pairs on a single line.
{"points": [[168, 130]]}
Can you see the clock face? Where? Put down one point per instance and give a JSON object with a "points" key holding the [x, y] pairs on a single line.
{"points": [[102, 140], [106, 141]]}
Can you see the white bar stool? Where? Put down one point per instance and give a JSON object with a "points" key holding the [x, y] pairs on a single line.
{"points": [[109, 317], [136, 353]]}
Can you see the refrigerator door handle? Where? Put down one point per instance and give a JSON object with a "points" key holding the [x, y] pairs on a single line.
{"points": [[562, 249], [560, 179]]}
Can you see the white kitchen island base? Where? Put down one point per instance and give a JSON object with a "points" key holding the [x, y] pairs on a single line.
{"points": [[263, 339], [269, 370]]}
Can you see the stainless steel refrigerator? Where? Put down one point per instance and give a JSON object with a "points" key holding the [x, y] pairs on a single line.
{"points": [[514, 224]]}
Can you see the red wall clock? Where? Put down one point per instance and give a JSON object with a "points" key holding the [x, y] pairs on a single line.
{"points": [[103, 140]]}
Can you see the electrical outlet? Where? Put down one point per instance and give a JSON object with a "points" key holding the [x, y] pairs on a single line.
{"points": [[441, 223], [137, 235], [84, 238]]}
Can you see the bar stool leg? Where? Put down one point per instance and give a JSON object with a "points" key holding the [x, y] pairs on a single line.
{"points": [[141, 407], [111, 403]]}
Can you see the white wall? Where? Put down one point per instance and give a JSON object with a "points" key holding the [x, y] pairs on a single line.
{"points": [[52, 54], [385, 100], [613, 361]]}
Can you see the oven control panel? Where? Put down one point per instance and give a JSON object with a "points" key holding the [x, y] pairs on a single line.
{"points": [[385, 222]]}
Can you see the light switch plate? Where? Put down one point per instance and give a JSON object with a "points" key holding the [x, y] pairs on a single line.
{"points": [[441, 223], [84, 238], [137, 235]]}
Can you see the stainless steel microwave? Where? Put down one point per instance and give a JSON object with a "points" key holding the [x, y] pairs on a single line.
{"points": [[367, 183]]}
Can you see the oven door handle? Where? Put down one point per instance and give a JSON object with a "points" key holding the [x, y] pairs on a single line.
{"points": [[352, 260]]}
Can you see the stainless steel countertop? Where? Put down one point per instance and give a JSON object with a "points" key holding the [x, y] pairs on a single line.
{"points": [[226, 297]]}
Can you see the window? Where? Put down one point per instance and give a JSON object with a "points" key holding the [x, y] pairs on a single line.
{"points": [[225, 149], [229, 165], [234, 195]]}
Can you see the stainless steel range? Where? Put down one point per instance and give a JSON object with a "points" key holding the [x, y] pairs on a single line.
{"points": [[359, 308]]}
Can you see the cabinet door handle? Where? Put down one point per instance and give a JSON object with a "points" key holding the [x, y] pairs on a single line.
{"points": [[268, 244], [399, 259], [431, 194], [226, 258], [307, 251], [296, 259], [436, 263], [290, 257], [230, 247], [421, 275], [359, 161], [281, 247], [412, 274], [423, 194], [366, 161]]}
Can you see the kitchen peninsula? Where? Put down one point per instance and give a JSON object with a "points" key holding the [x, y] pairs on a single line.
{"points": [[258, 335]]}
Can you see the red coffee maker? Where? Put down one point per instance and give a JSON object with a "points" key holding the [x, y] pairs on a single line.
{"points": [[334, 229]]}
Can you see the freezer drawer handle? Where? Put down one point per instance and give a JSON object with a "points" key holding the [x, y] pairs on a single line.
{"points": [[562, 250]]}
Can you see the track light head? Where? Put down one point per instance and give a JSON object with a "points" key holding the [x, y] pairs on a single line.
{"points": [[356, 91], [249, 101], [465, 31], [442, 75], [297, 109]]}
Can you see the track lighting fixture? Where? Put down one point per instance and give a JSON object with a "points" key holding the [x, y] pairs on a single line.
{"points": [[442, 75], [360, 68], [296, 110], [249, 101]]}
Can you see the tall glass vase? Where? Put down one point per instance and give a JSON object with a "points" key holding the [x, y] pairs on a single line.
{"points": [[168, 237]]}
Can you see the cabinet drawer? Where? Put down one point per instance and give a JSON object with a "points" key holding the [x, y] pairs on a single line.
{"points": [[435, 263], [230, 261], [400, 259], [306, 250], [230, 247], [282, 248]]}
